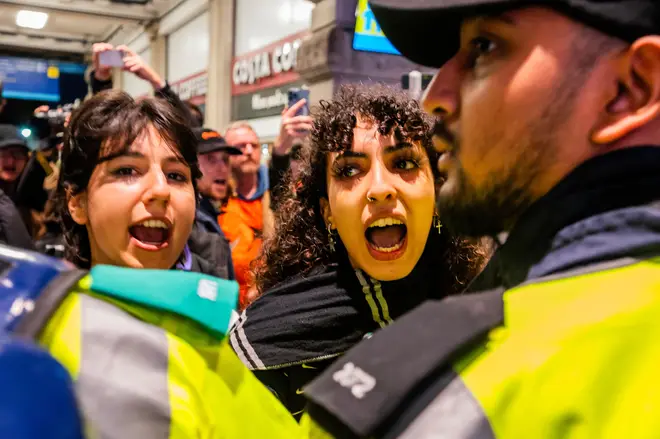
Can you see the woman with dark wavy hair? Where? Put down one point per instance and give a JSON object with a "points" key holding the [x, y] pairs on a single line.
{"points": [[357, 241]]}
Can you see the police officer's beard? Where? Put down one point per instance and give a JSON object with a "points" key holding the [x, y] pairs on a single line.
{"points": [[495, 206], [488, 210]]}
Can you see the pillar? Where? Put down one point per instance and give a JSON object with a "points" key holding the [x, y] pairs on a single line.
{"points": [[158, 47], [218, 97]]}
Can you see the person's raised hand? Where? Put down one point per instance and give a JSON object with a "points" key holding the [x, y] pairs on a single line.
{"points": [[135, 64], [292, 127], [101, 73]]}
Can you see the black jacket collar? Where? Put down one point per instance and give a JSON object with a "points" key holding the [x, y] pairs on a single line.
{"points": [[598, 212], [324, 313], [206, 206]]}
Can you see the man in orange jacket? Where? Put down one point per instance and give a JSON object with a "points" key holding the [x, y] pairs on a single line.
{"points": [[242, 218]]}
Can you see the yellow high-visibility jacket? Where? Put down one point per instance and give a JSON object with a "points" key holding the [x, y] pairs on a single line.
{"points": [[147, 351], [567, 357]]}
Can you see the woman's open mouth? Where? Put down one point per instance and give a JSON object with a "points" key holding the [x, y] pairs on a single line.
{"points": [[151, 234], [386, 238]]}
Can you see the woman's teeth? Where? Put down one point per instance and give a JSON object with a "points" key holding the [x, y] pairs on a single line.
{"points": [[152, 232], [385, 222], [156, 224], [390, 249]]}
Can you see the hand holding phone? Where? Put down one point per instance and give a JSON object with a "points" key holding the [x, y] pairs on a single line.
{"points": [[296, 121], [111, 58]]}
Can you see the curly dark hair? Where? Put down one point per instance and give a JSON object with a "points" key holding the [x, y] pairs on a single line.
{"points": [[105, 126], [300, 240]]}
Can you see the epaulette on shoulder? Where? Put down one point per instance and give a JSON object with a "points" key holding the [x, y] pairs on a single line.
{"points": [[363, 390]]}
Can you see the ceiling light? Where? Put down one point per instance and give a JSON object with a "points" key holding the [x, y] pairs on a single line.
{"points": [[31, 19], [26, 132]]}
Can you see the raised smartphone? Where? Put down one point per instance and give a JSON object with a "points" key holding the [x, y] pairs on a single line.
{"points": [[111, 58], [295, 95]]}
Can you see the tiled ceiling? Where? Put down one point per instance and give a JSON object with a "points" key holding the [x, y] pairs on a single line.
{"points": [[73, 25]]}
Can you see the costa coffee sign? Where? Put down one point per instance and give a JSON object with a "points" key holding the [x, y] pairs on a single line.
{"points": [[271, 66]]}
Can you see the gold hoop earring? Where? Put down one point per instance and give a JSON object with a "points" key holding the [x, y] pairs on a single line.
{"points": [[436, 223]]}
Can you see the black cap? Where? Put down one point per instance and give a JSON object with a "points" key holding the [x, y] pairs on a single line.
{"points": [[210, 141], [427, 31], [9, 137]]}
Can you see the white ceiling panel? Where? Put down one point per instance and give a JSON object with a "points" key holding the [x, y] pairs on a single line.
{"points": [[73, 25]]}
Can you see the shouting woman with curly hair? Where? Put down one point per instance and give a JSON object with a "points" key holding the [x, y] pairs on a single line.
{"points": [[357, 243]]}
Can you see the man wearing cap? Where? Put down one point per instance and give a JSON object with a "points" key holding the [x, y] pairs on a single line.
{"points": [[13, 156], [213, 154], [548, 125], [207, 240]]}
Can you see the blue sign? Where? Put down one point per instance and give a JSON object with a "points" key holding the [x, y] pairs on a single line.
{"points": [[32, 79], [368, 35], [72, 68]]}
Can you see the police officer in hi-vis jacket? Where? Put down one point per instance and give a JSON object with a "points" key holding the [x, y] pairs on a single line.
{"points": [[548, 125]]}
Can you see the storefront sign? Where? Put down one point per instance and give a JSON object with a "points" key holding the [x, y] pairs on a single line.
{"points": [[192, 88], [368, 35], [272, 66], [263, 103]]}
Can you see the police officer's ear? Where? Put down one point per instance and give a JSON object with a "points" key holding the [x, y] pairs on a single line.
{"points": [[77, 205], [635, 102]]}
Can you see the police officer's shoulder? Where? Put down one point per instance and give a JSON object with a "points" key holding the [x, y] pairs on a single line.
{"points": [[361, 393]]}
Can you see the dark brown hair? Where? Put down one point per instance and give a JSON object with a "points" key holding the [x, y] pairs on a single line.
{"points": [[196, 115], [104, 126], [300, 240]]}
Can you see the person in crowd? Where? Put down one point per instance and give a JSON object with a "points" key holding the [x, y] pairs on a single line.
{"points": [[248, 216], [43, 183], [127, 192], [13, 157], [214, 155], [142, 332], [548, 120], [211, 249], [356, 247], [36, 183], [14, 154], [101, 79], [213, 186]]}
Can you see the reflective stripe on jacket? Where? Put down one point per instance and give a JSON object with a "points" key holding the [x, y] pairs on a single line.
{"points": [[145, 373]]}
